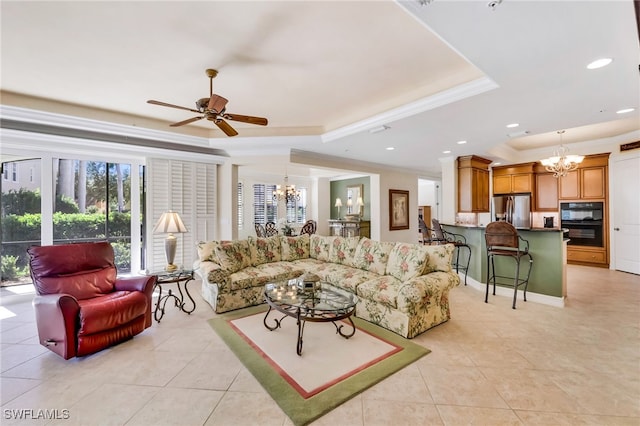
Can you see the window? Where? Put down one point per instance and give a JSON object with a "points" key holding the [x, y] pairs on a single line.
{"points": [[264, 208], [240, 206], [297, 209], [14, 172]]}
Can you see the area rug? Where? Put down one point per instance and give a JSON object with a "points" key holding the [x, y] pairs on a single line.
{"points": [[330, 371]]}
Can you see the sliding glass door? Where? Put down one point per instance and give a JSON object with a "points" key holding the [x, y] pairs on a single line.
{"points": [[20, 228], [83, 200], [93, 203]]}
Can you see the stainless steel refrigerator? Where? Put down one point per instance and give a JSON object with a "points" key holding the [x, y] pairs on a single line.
{"points": [[514, 208]]}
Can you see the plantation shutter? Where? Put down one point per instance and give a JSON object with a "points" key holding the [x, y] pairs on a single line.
{"points": [[259, 207], [240, 206], [188, 188]]}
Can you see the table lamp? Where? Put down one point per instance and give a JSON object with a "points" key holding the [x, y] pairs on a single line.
{"points": [[338, 205], [170, 223]]}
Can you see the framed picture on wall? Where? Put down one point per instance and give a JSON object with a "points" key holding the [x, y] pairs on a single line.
{"points": [[398, 209]]}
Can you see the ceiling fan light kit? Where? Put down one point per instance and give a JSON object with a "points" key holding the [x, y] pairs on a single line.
{"points": [[214, 109]]}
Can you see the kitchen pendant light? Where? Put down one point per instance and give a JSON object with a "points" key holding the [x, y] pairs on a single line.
{"points": [[561, 162]]}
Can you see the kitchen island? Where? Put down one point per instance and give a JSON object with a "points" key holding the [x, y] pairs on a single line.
{"points": [[547, 246]]}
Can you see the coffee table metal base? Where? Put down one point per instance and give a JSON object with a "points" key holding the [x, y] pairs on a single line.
{"points": [[301, 318]]}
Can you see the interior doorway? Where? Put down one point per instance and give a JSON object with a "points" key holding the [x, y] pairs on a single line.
{"points": [[626, 214]]}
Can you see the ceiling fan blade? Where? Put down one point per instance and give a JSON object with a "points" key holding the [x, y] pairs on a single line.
{"points": [[247, 119], [217, 103], [182, 123], [171, 106], [224, 126]]}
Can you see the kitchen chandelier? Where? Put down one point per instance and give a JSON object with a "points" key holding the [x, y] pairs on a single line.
{"points": [[561, 162], [286, 192]]}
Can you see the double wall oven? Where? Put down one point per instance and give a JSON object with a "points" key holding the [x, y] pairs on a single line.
{"points": [[584, 222]]}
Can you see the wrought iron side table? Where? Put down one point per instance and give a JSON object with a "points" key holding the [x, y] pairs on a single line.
{"points": [[179, 276]]}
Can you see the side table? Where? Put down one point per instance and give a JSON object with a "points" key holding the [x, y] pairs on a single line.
{"points": [[179, 276]]}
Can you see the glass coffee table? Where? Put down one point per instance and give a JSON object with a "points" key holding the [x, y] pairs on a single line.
{"points": [[325, 303]]}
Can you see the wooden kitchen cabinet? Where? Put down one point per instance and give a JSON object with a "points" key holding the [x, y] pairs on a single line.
{"points": [[473, 184], [588, 182], [582, 255], [546, 194], [513, 179], [593, 182]]}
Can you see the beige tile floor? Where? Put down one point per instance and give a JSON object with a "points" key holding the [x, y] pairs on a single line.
{"points": [[490, 365]]}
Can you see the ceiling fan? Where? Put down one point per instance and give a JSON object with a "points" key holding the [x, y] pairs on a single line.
{"points": [[214, 109]]}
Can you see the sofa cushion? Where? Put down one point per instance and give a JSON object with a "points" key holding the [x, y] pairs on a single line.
{"points": [[233, 255], [383, 290], [439, 258], [407, 261], [257, 276], [372, 255], [294, 248], [264, 250], [347, 277], [319, 246], [343, 249]]}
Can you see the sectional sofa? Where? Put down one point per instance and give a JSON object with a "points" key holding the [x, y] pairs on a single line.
{"points": [[400, 286]]}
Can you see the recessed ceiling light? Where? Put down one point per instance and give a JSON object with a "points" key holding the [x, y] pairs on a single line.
{"points": [[390, 148], [446, 152], [626, 110], [512, 125], [599, 63], [461, 142]]}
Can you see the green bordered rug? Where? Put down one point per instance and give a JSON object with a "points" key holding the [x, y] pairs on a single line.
{"points": [[300, 405]]}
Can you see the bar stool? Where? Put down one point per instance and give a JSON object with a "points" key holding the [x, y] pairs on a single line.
{"points": [[459, 241], [502, 239]]}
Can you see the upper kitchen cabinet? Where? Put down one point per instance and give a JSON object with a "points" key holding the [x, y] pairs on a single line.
{"points": [[587, 182], [473, 184], [546, 194], [513, 179]]}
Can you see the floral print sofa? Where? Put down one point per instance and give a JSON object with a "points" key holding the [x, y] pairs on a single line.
{"points": [[400, 286]]}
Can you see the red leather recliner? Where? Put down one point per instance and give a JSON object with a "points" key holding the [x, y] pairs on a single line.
{"points": [[81, 306]]}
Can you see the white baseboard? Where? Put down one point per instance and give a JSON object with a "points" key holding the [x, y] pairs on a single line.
{"points": [[543, 299]]}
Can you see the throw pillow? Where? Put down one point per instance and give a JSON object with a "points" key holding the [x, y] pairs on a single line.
{"points": [[372, 255], [234, 255], [264, 250], [207, 251], [343, 249], [294, 248], [319, 246], [407, 261], [439, 258]]}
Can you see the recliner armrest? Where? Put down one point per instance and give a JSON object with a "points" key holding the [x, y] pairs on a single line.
{"points": [[142, 283], [57, 321], [145, 284]]}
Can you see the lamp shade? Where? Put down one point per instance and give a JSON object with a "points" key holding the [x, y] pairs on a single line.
{"points": [[338, 202], [169, 223]]}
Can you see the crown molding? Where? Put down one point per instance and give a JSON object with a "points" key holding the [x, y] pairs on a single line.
{"points": [[445, 97], [26, 115]]}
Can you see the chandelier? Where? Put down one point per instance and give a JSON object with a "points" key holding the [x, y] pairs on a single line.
{"points": [[286, 192], [561, 162]]}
